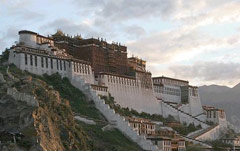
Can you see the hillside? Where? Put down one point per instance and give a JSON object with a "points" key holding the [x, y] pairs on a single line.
{"points": [[46, 121], [225, 98]]}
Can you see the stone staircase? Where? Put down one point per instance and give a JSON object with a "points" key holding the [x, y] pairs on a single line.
{"points": [[201, 132], [196, 120], [195, 141], [115, 119]]}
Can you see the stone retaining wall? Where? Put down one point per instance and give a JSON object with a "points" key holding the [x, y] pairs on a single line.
{"points": [[18, 96]]}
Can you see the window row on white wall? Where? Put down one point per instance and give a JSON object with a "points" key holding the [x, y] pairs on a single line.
{"points": [[45, 62], [166, 90], [81, 68], [122, 80]]}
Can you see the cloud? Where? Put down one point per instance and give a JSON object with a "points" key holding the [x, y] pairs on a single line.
{"points": [[227, 12], [89, 3], [21, 10], [2, 45], [212, 72], [135, 31], [180, 45], [69, 27], [86, 29], [8, 38], [116, 11], [12, 33], [124, 9]]}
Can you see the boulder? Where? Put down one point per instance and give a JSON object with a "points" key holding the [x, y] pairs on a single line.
{"points": [[2, 80]]}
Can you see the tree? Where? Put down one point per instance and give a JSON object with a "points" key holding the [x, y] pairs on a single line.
{"points": [[5, 55], [220, 146]]}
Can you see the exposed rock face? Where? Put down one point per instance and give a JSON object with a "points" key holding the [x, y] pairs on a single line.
{"points": [[49, 126], [14, 115], [2, 80]]}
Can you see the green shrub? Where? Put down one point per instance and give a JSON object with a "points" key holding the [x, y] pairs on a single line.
{"points": [[5, 55], [184, 129], [76, 98], [218, 145], [194, 148]]}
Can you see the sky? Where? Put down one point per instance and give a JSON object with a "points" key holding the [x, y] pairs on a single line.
{"points": [[194, 40]]}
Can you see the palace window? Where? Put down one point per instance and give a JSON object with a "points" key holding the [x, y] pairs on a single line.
{"points": [[31, 60], [57, 64], [36, 61], [74, 67], [42, 63], [51, 63], [26, 61], [46, 62], [214, 114], [60, 64], [77, 67], [80, 68], [83, 67], [64, 65]]}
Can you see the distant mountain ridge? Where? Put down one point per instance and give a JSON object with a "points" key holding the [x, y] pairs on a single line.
{"points": [[223, 97]]}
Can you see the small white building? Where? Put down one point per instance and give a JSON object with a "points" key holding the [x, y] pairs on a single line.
{"points": [[142, 126], [215, 115], [235, 142]]}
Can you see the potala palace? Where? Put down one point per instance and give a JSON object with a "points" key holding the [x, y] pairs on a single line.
{"points": [[99, 68]]}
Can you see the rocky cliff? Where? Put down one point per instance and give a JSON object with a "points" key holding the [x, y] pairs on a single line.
{"points": [[49, 125]]}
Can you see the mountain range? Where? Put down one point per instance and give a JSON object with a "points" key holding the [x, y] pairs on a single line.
{"points": [[225, 98]]}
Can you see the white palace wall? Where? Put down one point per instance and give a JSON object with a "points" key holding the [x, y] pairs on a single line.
{"points": [[185, 108], [195, 106], [128, 93]]}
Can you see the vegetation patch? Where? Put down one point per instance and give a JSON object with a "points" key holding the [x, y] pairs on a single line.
{"points": [[112, 140], [76, 98]]}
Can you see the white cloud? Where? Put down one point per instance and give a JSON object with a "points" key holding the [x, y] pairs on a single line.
{"points": [[209, 72], [228, 12], [178, 45], [135, 31]]}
